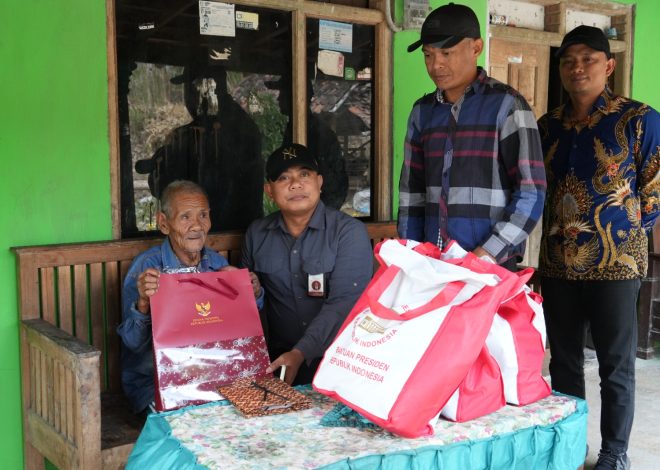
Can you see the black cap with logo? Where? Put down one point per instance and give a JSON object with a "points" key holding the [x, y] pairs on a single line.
{"points": [[587, 35], [289, 155], [448, 25]]}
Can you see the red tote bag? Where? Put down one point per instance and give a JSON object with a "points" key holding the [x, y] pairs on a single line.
{"points": [[206, 333]]}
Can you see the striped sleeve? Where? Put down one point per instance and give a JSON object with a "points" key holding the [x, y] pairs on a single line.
{"points": [[521, 154], [412, 185]]}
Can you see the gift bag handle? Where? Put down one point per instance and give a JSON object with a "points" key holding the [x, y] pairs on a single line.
{"points": [[444, 297], [230, 292]]}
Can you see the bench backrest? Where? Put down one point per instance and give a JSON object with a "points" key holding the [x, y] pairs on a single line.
{"points": [[77, 287]]}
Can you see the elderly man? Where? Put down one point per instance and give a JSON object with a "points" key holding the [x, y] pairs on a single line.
{"points": [[602, 156], [473, 168], [313, 261], [185, 219]]}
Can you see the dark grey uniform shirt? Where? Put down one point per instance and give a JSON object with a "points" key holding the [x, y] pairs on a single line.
{"points": [[334, 244]]}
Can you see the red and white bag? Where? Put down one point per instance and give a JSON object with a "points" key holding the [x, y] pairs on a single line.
{"points": [[517, 340], [412, 337], [480, 393]]}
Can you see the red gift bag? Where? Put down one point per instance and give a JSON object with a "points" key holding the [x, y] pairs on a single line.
{"points": [[206, 333]]}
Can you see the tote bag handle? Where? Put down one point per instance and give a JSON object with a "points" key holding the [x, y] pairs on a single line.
{"points": [[417, 264], [444, 297], [228, 291]]}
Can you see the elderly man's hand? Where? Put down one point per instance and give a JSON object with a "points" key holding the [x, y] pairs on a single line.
{"points": [[254, 280], [292, 360], [147, 285]]}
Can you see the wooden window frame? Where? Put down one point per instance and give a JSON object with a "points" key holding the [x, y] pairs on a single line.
{"points": [[301, 10]]}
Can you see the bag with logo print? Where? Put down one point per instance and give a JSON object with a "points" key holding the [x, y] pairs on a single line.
{"points": [[206, 333], [413, 335]]}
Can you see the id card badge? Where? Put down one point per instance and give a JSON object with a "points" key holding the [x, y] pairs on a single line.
{"points": [[316, 285]]}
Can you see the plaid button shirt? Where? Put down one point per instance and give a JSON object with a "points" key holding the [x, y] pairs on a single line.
{"points": [[473, 170]]}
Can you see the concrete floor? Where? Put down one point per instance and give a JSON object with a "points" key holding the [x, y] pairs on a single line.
{"points": [[644, 449]]}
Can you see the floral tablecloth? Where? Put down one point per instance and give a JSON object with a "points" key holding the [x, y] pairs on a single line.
{"points": [[550, 433]]}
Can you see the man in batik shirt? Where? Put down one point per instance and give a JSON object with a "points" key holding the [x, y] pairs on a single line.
{"points": [[602, 155]]}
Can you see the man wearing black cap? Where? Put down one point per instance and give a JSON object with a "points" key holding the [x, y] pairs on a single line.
{"points": [[313, 262], [602, 156], [473, 168]]}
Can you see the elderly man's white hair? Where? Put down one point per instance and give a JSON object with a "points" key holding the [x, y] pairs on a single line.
{"points": [[178, 186]]}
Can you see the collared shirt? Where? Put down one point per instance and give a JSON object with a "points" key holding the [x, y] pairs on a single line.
{"points": [[137, 358], [603, 190], [333, 244], [473, 170]]}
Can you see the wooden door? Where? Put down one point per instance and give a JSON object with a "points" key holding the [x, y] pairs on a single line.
{"points": [[526, 67], [523, 66]]}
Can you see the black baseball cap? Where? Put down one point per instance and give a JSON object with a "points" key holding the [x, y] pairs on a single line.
{"points": [[587, 35], [448, 25], [289, 155]]}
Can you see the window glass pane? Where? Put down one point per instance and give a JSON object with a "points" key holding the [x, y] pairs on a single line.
{"points": [[199, 107], [340, 61]]}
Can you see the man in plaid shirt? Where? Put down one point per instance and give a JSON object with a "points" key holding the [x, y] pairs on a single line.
{"points": [[473, 166]]}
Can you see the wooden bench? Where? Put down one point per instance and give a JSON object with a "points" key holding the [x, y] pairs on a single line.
{"points": [[74, 412]]}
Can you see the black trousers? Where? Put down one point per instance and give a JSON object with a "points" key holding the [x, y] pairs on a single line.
{"points": [[610, 308]]}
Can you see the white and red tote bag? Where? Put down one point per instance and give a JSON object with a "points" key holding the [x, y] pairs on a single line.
{"points": [[412, 336], [517, 342], [480, 393], [516, 339]]}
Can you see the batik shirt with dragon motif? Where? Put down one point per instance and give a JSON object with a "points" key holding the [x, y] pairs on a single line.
{"points": [[603, 194]]}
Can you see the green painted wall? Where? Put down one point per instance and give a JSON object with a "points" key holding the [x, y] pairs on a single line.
{"points": [[53, 153], [54, 145], [646, 63]]}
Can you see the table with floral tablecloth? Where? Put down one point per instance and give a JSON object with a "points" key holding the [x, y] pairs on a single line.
{"points": [[550, 433]]}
